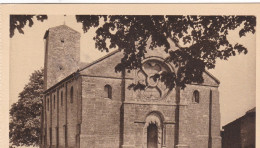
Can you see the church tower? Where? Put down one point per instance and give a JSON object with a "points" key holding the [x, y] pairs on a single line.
{"points": [[62, 54]]}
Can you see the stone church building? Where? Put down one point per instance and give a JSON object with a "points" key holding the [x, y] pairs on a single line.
{"points": [[90, 106]]}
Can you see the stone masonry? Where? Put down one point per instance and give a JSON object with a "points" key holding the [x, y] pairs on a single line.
{"points": [[92, 107]]}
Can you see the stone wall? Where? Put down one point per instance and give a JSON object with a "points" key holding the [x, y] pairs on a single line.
{"points": [[196, 117], [194, 121], [135, 132], [100, 114], [61, 114], [127, 111], [62, 54]]}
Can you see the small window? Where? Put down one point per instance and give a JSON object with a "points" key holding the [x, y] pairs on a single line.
{"points": [[108, 91], [54, 101], [58, 98], [196, 96], [48, 102], [45, 102], [71, 94], [61, 98]]}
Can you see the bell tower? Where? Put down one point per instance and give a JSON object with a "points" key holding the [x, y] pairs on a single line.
{"points": [[62, 54]]}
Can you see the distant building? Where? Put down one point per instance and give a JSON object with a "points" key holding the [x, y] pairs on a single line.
{"points": [[241, 132], [91, 106]]}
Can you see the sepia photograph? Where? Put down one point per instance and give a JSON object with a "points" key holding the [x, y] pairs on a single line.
{"points": [[111, 79]]}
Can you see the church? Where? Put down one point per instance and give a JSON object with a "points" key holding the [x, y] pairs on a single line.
{"points": [[90, 106]]}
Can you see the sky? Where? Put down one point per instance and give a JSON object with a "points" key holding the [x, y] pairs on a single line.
{"points": [[237, 75]]}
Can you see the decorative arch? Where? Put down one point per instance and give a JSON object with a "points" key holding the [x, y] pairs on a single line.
{"points": [[155, 118], [155, 89], [156, 113], [159, 59]]}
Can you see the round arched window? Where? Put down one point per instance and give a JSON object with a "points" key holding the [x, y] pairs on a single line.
{"points": [[54, 101], [108, 91], [196, 96], [71, 94], [61, 98], [48, 102]]}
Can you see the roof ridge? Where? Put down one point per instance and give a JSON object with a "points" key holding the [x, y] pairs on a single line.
{"points": [[212, 76], [100, 59], [113, 52], [47, 31], [65, 26]]}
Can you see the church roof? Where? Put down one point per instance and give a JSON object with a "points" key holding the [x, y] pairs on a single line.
{"points": [[213, 77], [100, 59], [116, 51], [84, 66]]}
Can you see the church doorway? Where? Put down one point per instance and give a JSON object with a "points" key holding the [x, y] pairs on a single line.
{"points": [[152, 136]]}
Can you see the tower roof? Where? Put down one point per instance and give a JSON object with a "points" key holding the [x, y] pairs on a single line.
{"points": [[59, 27]]}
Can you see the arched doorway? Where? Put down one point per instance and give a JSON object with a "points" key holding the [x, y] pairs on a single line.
{"points": [[152, 136], [152, 131]]}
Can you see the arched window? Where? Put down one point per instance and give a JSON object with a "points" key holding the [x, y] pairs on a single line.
{"points": [[61, 98], [196, 96], [71, 94], [54, 101], [108, 91], [48, 103], [58, 98]]}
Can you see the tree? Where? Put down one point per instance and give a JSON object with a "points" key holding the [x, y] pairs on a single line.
{"points": [[20, 21], [24, 125], [199, 41]]}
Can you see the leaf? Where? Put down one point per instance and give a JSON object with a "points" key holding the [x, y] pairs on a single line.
{"points": [[199, 40], [240, 48], [24, 125], [20, 21]]}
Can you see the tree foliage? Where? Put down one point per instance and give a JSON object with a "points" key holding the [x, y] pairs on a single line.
{"points": [[199, 41], [24, 125], [20, 21]]}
